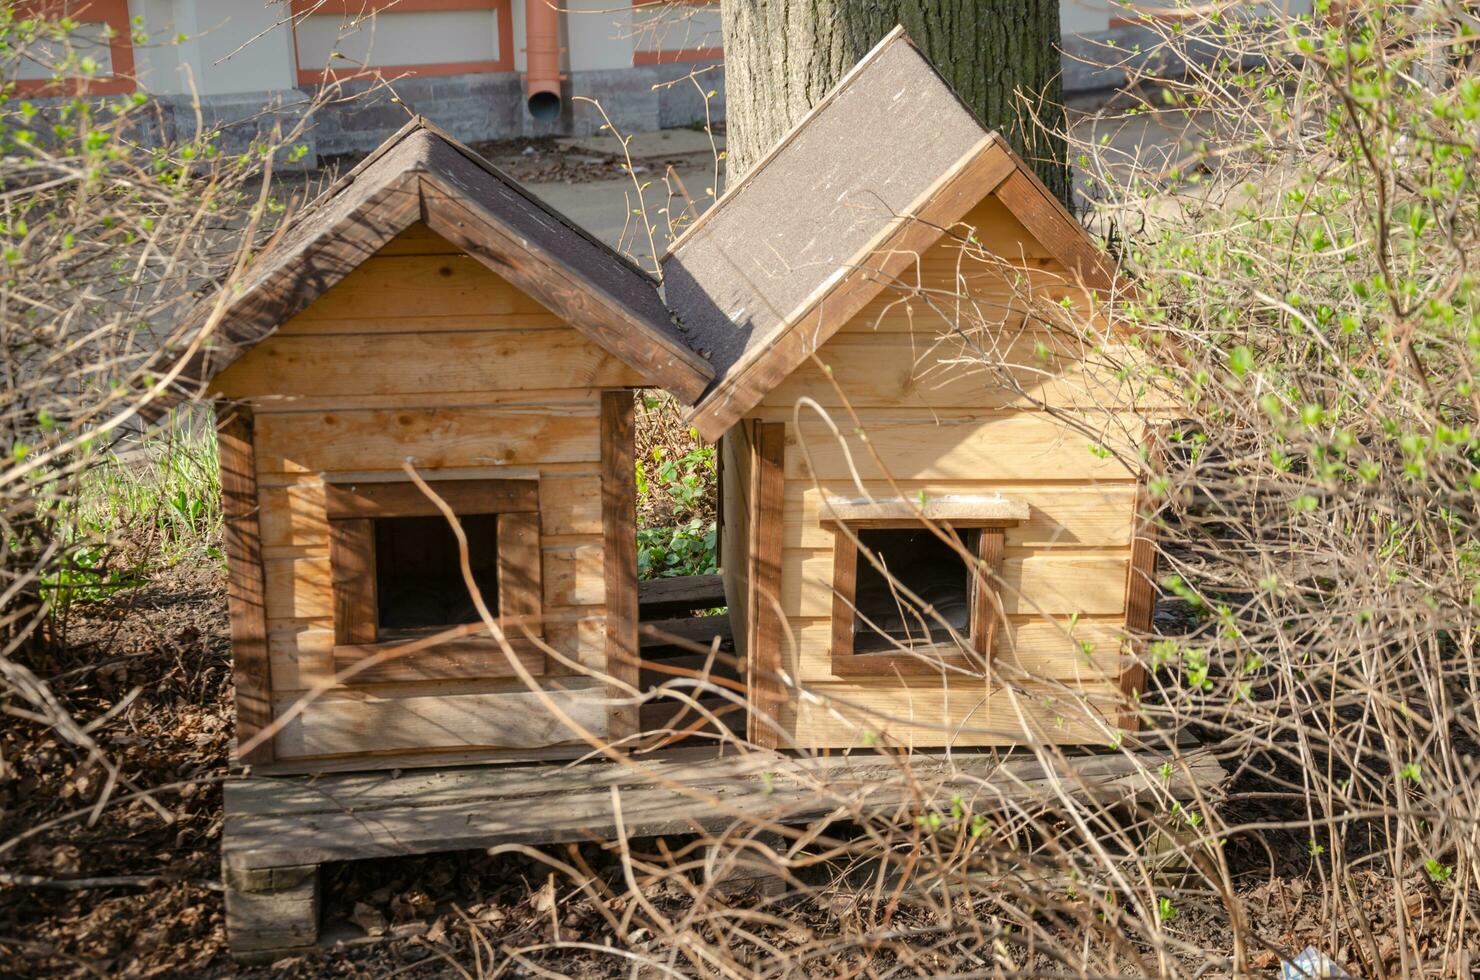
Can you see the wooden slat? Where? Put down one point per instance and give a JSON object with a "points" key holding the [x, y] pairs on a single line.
{"points": [[469, 658], [575, 575], [734, 527], [926, 370], [987, 446], [294, 516], [844, 587], [365, 364], [570, 505], [326, 248], [352, 564], [1140, 605], [984, 616], [356, 441], [246, 587], [406, 499], [767, 499], [299, 588], [619, 543], [385, 289], [283, 822], [521, 591], [1092, 515], [680, 593], [1028, 648], [503, 720], [965, 510], [922, 713]]}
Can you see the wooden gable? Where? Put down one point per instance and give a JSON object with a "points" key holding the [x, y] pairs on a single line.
{"points": [[888, 164], [421, 175]]}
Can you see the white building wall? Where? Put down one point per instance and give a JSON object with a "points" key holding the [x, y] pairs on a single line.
{"points": [[599, 35], [215, 56]]}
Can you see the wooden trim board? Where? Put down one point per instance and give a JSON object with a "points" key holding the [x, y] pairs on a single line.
{"points": [[764, 643], [246, 588], [352, 510], [922, 660], [619, 566]]}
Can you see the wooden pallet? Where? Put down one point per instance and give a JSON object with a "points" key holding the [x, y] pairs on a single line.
{"points": [[278, 831]]}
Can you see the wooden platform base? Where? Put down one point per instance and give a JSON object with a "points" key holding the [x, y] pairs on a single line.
{"points": [[279, 830]]}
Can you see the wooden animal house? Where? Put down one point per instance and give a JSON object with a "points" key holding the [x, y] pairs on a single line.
{"points": [[428, 312], [930, 529]]}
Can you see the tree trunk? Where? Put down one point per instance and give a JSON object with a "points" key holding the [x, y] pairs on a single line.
{"points": [[782, 56]]}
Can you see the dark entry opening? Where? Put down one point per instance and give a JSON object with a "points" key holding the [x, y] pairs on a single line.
{"points": [[928, 567], [418, 579]]}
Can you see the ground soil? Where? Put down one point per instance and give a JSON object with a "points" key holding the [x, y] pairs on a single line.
{"points": [[154, 661]]}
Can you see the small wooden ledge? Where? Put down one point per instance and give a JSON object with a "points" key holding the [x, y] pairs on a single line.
{"points": [[978, 510]]}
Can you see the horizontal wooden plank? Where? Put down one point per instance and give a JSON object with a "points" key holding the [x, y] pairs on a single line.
{"points": [[301, 652], [344, 500], [274, 822], [681, 593], [986, 446], [976, 371], [293, 516], [969, 509], [396, 286], [471, 657], [512, 720], [420, 363], [1044, 584], [353, 441], [1094, 515], [845, 714], [1028, 648]]}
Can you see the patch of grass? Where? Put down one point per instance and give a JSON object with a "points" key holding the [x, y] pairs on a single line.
{"points": [[163, 488]]}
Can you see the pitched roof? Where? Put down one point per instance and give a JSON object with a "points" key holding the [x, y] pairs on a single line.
{"points": [[421, 174], [873, 175]]}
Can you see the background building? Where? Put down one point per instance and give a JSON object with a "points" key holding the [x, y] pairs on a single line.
{"points": [[482, 69]]}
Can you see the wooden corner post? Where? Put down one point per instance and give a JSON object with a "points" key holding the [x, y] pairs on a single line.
{"points": [[246, 586], [619, 565], [1140, 600], [767, 499]]}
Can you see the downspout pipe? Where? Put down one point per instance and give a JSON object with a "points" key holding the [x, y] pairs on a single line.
{"points": [[542, 59]]}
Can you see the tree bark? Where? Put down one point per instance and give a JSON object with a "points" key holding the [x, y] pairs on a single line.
{"points": [[1001, 56]]}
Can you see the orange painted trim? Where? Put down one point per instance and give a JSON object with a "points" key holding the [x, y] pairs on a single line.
{"points": [[114, 13], [360, 7], [503, 63], [662, 57]]}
